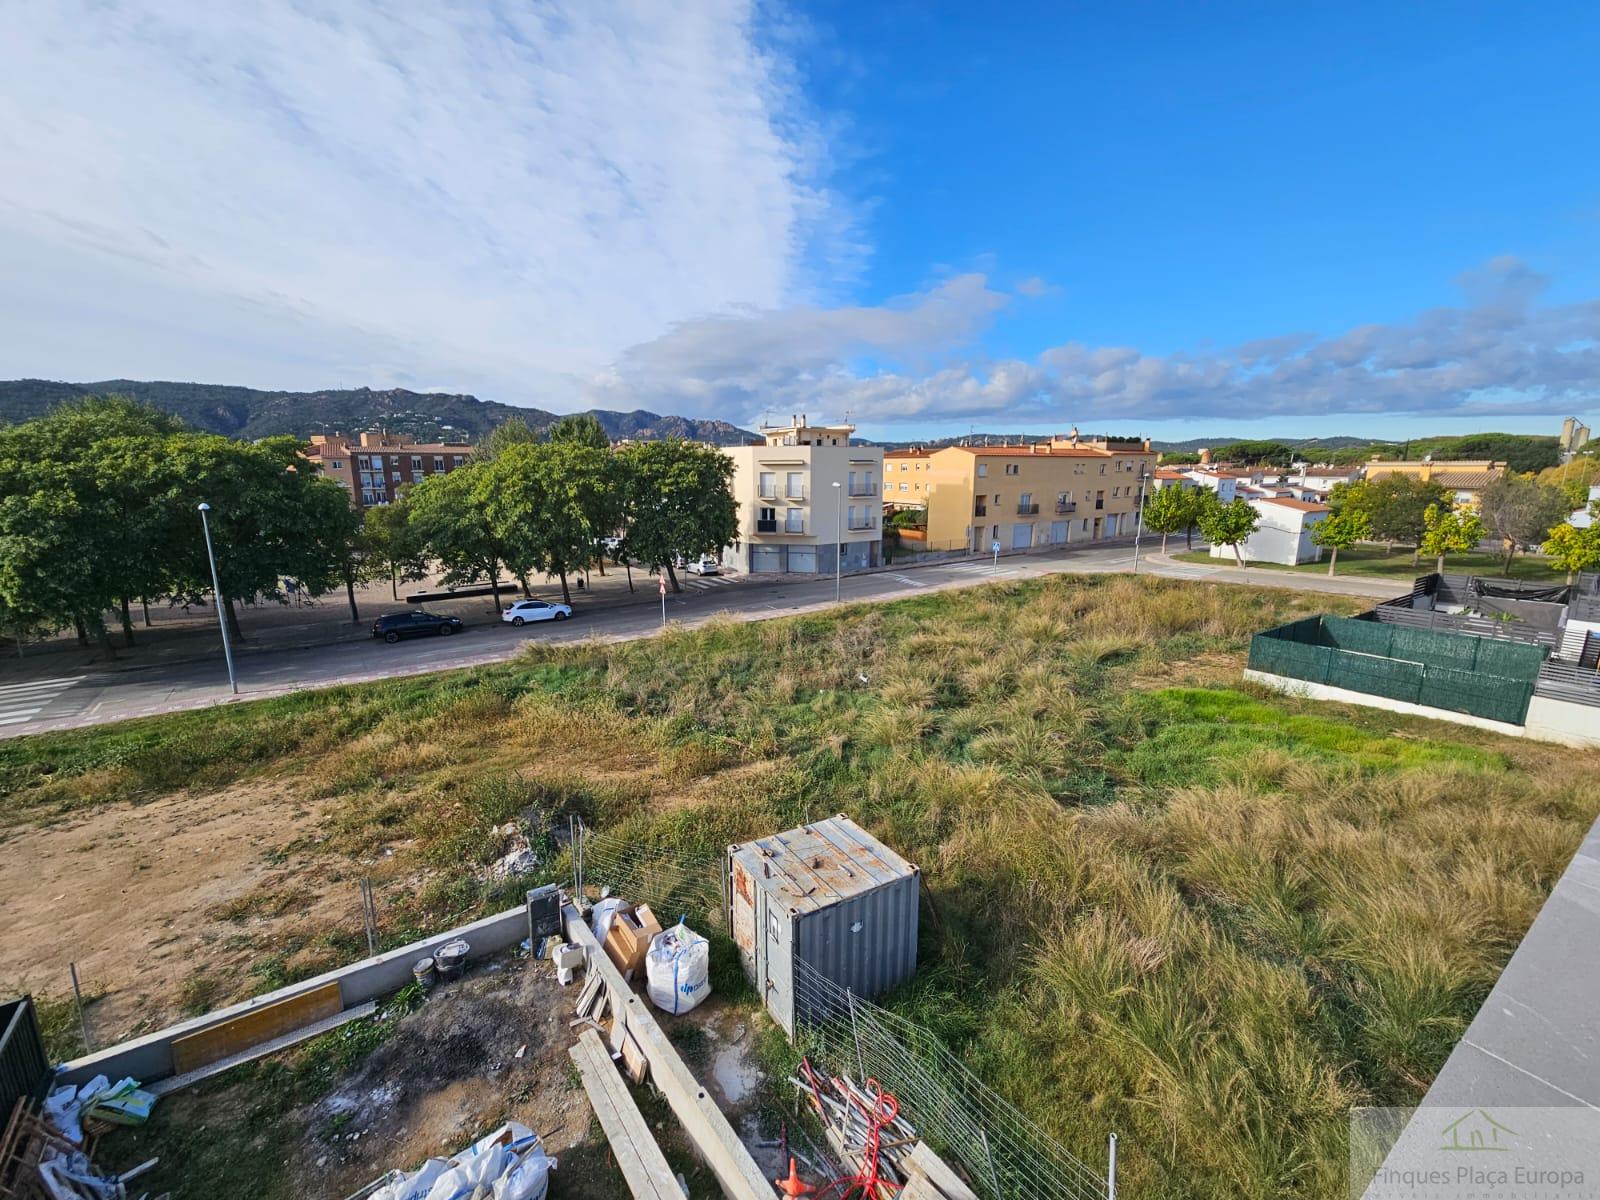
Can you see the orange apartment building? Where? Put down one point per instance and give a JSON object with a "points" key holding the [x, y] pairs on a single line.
{"points": [[375, 466]]}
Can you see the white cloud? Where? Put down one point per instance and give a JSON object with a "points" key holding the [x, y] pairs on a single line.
{"points": [[501, 196], [1499, 354]]}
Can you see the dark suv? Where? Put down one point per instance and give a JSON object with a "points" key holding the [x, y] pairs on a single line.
{"points": [[394, 626]]}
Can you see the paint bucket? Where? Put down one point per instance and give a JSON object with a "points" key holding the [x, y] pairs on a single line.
{"points": [[422, 972], [450, 957]]}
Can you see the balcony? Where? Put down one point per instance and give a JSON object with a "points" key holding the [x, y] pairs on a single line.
{"points": [[1027, 510], [766, 526], [980, 510], [1066, 506], [864, 489], [856, 524], [1099, 504], [794, 527], [795, 493]]}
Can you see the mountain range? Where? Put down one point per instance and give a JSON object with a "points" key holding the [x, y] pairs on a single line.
{"points": [[428, 416]]}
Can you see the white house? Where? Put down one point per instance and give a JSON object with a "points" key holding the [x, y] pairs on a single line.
{"points": [[1322, 478], [1283, 534], [1581, 519]]}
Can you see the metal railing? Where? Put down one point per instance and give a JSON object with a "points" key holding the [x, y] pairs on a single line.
{"points": [[866, 489], [766, 526], [857, 524], [24, 1066], [1066, 506], [1027, 510], [1560, 680], [1487, 627], [980, 510]]}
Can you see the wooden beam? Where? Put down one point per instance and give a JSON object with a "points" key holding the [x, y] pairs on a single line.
{"points": [[263, 1024], [644, 1167]]}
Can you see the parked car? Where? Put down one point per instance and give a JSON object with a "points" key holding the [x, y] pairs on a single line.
{"points": [[704, 566], [524, 611], [391, 627]]}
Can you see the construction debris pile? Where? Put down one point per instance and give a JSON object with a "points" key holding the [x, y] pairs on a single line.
{"points": [[48, 1154], [508, 1164], [885, 1158]]}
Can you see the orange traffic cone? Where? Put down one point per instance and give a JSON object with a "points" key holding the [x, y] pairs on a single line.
{"points": [[792, 1185]]}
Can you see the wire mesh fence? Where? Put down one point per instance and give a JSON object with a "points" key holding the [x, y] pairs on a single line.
{"points": [[1002, 1151]]}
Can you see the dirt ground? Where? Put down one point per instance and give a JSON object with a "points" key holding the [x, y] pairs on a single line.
{"points": [[485, 1049], [138, 895]]}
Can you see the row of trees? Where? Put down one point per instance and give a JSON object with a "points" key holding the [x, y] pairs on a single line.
{"points": [[99, 500], [1398, 510], [522, 505], [98, 511]]}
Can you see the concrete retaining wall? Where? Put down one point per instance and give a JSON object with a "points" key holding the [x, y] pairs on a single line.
{"points": [[1552, 720], [1321, 691], [149, 1058]]}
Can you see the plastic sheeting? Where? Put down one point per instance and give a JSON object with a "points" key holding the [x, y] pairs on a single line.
{"points": [[508, 1164]]}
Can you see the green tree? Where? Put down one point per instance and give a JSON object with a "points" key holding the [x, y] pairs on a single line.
{"points": [[1172, 508], [392, 546], [1573, 549], [1341, 530], [1521, 512], [1396, 505], [335, 548], [451, 515], [513, 431], [678, 499], [1450, 531], [551, 503], [583, 428], [1227, 524], [1269, 453]]}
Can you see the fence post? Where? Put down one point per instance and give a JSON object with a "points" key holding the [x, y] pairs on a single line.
{"points": [[1111, 1166], [855, 1036], [988, 1158], [369, 914], [83, 1018]]}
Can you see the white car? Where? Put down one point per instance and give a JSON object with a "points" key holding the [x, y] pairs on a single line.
{"points": [[524, 611], [704, 566]]}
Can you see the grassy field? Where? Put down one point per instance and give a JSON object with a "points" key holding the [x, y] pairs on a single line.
{"points": [[1157, 901], [1397, 565]]}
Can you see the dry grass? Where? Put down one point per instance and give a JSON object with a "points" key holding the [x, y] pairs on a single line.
{"points": [[1209, 918]]}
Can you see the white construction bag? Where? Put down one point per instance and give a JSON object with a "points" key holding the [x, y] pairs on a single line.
{"points": [[678, 969]]}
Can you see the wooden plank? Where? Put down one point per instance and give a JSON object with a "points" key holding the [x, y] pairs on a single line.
{"points": [[923, 1161], [705, 1123], [240, 1033], [644, 1167], [176, 1083]]}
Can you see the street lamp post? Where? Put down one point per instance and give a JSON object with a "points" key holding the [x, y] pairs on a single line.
{"points": [[838, 554], [1138, 524], [216, 591]]}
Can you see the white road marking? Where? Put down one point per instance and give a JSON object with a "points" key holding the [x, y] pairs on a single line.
{"points": [[22, 702], [907, 580]]}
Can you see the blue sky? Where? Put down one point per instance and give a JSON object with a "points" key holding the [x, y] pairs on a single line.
{"points": [[1185, 219]]}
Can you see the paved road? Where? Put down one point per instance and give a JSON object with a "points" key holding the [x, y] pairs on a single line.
{"points": [[90, 699]]}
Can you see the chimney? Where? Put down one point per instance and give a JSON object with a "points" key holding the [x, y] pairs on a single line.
{"points": [[1205, 455]]}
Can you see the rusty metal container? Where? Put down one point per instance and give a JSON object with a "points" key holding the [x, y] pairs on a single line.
{"points": [[827, 896]]}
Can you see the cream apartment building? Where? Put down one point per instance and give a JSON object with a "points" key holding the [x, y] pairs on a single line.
{"points": [[1066, 490], [805, 495]]}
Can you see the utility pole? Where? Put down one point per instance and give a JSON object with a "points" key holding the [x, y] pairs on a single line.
{"points": [[216, 591], [1138, 524], [838, 556]]}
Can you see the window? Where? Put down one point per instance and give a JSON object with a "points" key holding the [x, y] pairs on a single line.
{"points": [[335, 464], [397, 476], [1026, 499], [794, 520], [903, 485], [1013, 469], [795, 486], [438, 462], [456, 458], [904, 467], [769, 484], [983, 470], [366, 463], [1102, 468], [394, 460], [1063, 497], [416, 462]]}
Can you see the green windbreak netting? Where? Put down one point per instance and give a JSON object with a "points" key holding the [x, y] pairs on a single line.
{"points": [[1482, 676], [1491, 696], [1435, 649], [1375, 675], [1369, 637], [1514, 660], [1294, 659]]}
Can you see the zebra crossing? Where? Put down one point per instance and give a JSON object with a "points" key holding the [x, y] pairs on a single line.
{"points": [[985, 568], [706, 582], [22, 702]]}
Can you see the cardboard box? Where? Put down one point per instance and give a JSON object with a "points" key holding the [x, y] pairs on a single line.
{"points": [[628, 939]]}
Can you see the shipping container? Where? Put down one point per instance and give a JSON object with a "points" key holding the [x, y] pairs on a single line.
{"points": [[828, 895]]}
